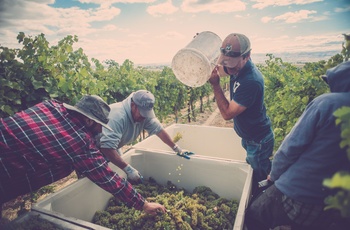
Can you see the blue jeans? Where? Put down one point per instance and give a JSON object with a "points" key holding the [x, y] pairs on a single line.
{"points": [[258, 156]]}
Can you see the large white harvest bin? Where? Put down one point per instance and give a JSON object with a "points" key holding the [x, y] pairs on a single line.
{"points": [[202, 140], [46, 216], [228, 178]]}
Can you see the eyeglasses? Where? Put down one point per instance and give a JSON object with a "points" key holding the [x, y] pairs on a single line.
{"points": [[229, 52]]}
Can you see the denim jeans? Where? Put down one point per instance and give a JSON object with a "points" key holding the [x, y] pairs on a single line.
{"points": [[258, 156]]}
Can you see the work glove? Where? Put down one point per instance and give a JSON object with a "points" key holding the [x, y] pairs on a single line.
{"points": [[182, 153], [133, 175]]}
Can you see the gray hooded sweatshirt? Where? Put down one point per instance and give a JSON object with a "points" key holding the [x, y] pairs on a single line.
{"points": [[311, 152], [125, 129]]}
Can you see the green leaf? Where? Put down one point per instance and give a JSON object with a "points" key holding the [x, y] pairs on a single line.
{"points": [[339, 180], [7, 109]]}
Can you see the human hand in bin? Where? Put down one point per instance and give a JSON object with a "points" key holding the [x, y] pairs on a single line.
{"points": [[182, 153], [133, 176], [265, 183]]}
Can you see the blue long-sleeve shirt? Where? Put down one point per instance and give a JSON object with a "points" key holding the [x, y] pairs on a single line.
{"points": [[311, 151]]}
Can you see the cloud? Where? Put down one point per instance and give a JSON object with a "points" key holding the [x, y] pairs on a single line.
{"points": [[39, 17], [172, 35], [341, 10], [12, 11], [197, 6], [215, 6], [162, 8], [102, 13], [266, 19], [108, 48], [294, 17], [319, 18], [110, 2], [311, 43], [261, 4]]}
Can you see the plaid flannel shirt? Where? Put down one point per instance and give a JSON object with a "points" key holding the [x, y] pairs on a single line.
{"points": [[45, 143]]}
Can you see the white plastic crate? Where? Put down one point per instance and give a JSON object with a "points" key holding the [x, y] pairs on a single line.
{"points": [[78, 202], [208, 141]]}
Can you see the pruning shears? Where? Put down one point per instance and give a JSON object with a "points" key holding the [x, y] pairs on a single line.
{"points": [[185, 154]]}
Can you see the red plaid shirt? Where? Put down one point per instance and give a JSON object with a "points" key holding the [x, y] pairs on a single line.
{"points": [[45, 143]]}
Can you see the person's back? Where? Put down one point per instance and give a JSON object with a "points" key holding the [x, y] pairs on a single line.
{"points": [[44, 143], [317, 146], [308, 155], [317, 149], [41, 144], [29, 136]]}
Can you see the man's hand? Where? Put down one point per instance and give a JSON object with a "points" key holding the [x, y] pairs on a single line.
{"points": [[181, 153], [153, 208], [133, 175], [215, 78]]}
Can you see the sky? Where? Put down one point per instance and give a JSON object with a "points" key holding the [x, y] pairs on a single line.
{"points": [[153, 31]]}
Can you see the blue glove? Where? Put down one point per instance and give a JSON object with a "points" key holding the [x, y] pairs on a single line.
{"points": [[182, 153]]}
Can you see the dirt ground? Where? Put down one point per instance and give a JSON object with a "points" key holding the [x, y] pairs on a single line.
{"points": [[10, 210]]}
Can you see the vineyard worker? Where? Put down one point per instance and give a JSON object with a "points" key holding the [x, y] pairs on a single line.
{"points": [[246, 105], [46, 142], [309, 154], [127, 120]]}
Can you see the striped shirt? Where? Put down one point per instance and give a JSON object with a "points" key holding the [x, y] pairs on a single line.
{"points": [[45, 143]]}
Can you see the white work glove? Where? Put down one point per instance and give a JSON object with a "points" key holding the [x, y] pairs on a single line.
{"points": [[181, 153], [177, 149], [133, 175]]}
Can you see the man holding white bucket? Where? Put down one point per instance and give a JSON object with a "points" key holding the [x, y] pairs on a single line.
{"points": [[246, 105]]}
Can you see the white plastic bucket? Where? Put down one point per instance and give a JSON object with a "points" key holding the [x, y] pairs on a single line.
{"points": [[193, 64]]}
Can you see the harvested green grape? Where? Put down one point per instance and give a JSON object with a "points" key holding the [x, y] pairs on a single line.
{"points": [[202, 209], [177, 137]]}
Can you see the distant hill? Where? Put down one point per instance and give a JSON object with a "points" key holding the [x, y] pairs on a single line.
{"points": [[298, 57], [260, 58]]}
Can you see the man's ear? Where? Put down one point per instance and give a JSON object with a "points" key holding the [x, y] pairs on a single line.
{"points": [[133, 106], [88, 121], [247, 56]]}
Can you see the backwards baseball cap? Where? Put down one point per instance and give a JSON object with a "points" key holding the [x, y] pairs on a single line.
{"points": [[338, 77], [93, 107], [144, 101], [234, 46]]}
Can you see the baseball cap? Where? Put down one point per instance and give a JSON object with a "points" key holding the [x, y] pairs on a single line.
{"points": [[93, 107], [144, 101], [234, 46], [338, 77]]}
